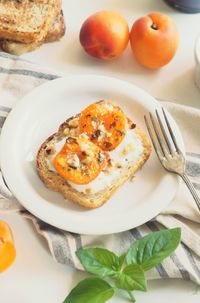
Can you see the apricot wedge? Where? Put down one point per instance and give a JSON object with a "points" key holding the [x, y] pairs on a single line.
{"points": [[7, 246]]}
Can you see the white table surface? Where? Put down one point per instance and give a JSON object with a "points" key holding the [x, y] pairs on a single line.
{"points": [[35, 277]]}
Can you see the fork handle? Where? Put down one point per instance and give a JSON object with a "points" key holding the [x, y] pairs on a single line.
{"points": [[192, 189]]}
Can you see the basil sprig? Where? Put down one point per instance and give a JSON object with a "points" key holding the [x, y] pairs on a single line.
{"points": [[126, 272], [92, 290], [153, 248], [99, 261], [132, 277]]}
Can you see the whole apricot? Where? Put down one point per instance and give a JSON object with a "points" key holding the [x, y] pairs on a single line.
{"points": [[154, 40], [104, 35]]}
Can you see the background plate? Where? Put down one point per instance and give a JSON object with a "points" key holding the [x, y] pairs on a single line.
{"points": [[39, 114]]}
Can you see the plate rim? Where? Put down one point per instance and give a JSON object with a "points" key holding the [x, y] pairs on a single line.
{"points": [[18, 107]]}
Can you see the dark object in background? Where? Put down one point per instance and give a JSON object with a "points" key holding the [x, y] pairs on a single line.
{"points": [[187, 6]]}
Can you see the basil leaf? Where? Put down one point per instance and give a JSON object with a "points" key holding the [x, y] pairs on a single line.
{"points": [[99, 261], [121, 260], [90, 290], [153, 248], [132, 278]]}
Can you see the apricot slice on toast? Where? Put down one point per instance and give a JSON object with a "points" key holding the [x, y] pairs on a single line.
{"points": [[104, 123], [80, 161]]}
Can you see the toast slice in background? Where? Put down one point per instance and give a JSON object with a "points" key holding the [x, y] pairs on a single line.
{"points": [[55, 33], [57, 29], [27, 21], [85, 198]]}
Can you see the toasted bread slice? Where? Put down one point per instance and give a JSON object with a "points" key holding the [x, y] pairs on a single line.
{"points": [[55, 33], [27, 21], [57, 183], [57, 29]]}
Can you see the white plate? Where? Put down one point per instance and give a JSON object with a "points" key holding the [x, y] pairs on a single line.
{"points": [[39, 114]]}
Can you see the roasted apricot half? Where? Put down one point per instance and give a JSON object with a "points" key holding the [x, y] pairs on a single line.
{"points": [[104, 123], [80, 161]]}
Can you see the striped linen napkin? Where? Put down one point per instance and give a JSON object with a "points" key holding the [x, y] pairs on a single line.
{"points": [[18, 77]]}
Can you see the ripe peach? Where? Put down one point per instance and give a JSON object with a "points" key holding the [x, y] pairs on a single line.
{"points": [[104, 35], [154, 40]]}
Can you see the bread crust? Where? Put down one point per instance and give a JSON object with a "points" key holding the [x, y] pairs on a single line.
{"points": [[56, 183], [57, 29]]}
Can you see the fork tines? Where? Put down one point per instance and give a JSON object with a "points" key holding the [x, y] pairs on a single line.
{"points": [[161, 134]]}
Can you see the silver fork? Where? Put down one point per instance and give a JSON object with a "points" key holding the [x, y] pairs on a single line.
{"points": [[167, 149]]}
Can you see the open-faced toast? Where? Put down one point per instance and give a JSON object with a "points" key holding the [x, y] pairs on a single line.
{"points": [[92, 154]]}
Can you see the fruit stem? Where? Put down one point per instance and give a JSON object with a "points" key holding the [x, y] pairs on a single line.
{"points": [[131, 296], [154, 26]]}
